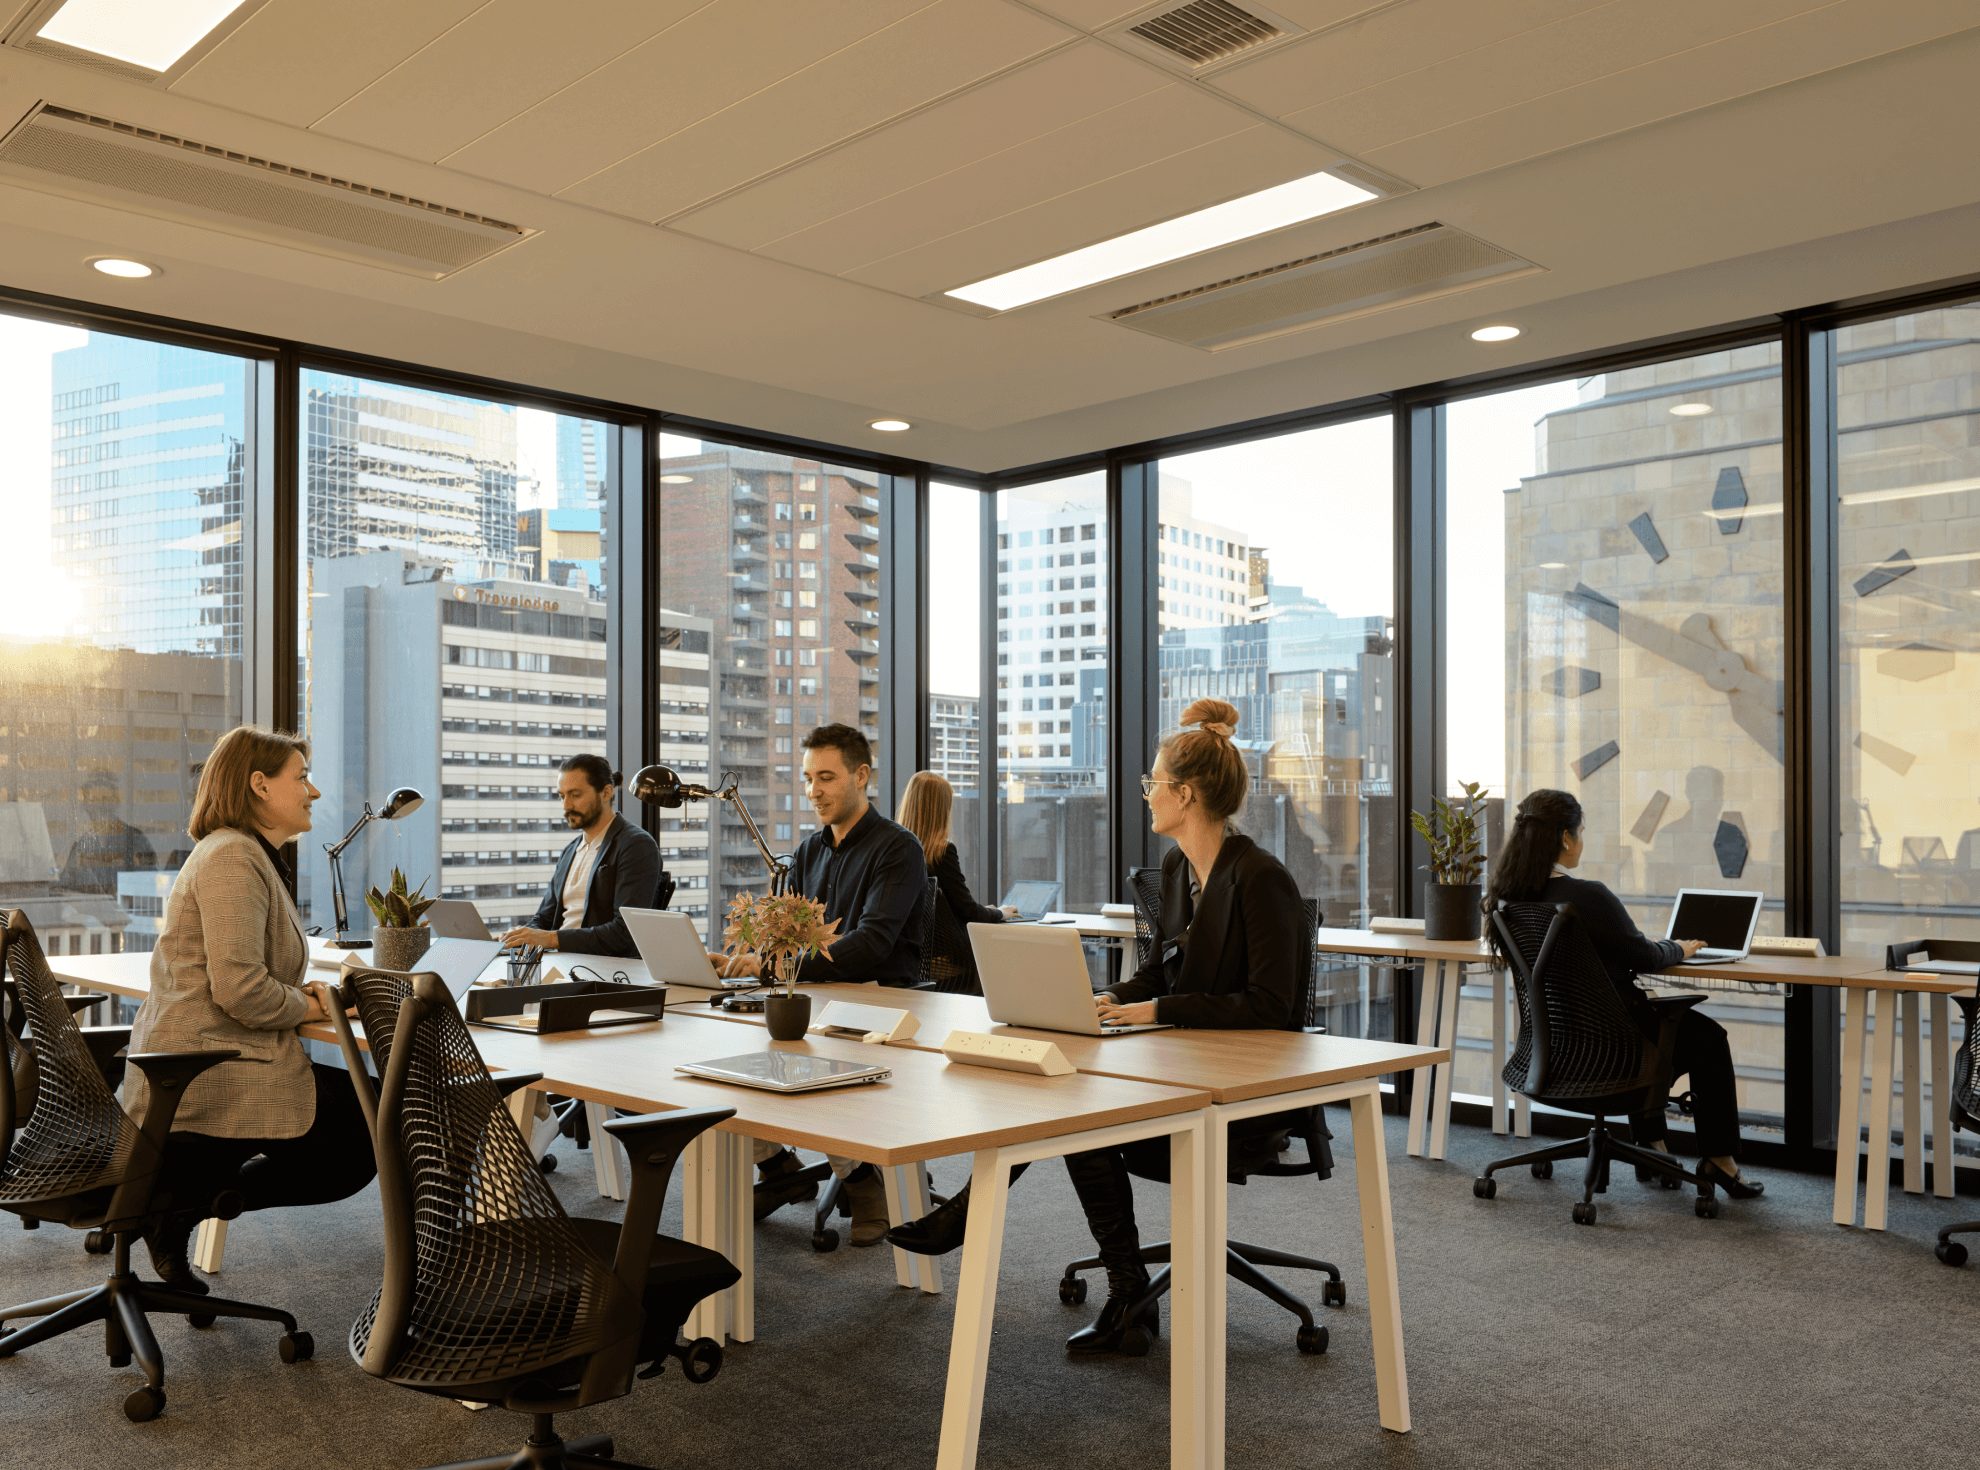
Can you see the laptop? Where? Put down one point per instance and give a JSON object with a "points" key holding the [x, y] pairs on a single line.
{"points": [[1036, 977], [456, 918], [1724, 918], [674, 954], [1033, 898], [785, 1071]]}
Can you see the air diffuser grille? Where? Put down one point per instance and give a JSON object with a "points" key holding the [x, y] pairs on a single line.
{"points": [[1204, 31]]}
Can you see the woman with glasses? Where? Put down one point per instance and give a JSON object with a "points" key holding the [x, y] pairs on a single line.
{"points": [[1232, 944]]}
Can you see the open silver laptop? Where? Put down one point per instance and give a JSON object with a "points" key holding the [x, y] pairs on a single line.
{"points": [[1724, 918], [672, 948], [458, 962], [456, 918], [1037, 977], [785, 1071]]}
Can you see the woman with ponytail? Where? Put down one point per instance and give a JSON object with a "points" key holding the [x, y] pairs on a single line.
{"points": [[1535, 866]]}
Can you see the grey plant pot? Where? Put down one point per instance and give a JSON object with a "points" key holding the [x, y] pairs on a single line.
{"points": [[1450, 911], [399, 949], [788, 1017]]}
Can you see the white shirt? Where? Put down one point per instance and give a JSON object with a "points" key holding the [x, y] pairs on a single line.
{"points": [[577, 880]]}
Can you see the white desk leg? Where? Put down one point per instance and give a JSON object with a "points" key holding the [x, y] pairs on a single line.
{"points": [[1883, 1059], [1914, 1091], [1448, 986], [607, 1156], [703, 1224], [1216, 1319], [1856, 1008], [1498, 1049], [209, 1244], [1195, 1439], [914, 1200], [903, 1260], [1428, 1003], [976, 1303], [1942, 1134], [735, 1179], [1378, 1248]]}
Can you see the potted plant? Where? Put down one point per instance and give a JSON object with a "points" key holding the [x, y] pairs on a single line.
{"points": [[1450, 903], [399, 934], [782, 930]]}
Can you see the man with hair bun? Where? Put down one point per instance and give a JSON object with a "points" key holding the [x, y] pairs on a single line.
{"points": [[611, 865]]}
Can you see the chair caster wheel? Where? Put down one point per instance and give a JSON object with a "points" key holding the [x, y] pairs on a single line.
{"points": [[1334, 1293], [702, 1360], [296, 1347], [1485, 1188], [1951, 1252], [1584, 1214], [144, 1404], [1311, 1340], [28, 1223], [1544, 1169], [97, 1243], [547, 1164], [200, 1319], [824, 1241], [1705, 1207], [1072, 1290]]}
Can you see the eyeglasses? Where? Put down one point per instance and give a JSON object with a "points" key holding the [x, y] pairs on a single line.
{"points": [[1149, 783]]}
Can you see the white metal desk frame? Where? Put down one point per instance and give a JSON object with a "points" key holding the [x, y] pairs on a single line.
{"points": [[1894, 1010]]}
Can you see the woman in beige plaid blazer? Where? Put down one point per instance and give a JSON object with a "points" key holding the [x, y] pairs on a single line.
{"points": [[230, 972]]}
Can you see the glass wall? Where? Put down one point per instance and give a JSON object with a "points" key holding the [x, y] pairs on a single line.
{"points": [[771, 614], [1615, 588], [454, 606], [954, 630], [1052, 695], [128, 469]]}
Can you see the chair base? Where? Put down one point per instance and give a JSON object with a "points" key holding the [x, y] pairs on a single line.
{"points": [[1599, 1147], [545, 1450], [1951, 1251], [1241, 1263], [123, 1304]]}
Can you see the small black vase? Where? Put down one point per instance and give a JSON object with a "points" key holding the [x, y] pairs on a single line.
{"points": [[1450, 911], [788, 1017]]}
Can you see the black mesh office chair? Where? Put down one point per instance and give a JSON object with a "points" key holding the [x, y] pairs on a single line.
{"points": [[491, 1293], [1965, 1113], [1243, 1261], [1145, 891], [1580, 1050], [947, 963], [78, 1159]]}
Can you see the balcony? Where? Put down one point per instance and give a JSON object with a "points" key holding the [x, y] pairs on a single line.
{"points": [[863, 536]]}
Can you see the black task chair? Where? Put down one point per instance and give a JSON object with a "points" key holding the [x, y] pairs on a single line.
{"points": [[947, 963], [491, 1293], [1243, 1261], [1145, 891], [1580, 1050], [78, 1159], [1965, 1113]]}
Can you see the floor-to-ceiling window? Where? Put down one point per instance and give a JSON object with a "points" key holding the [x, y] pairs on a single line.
{"points": [[454, 605], [129, 473], [1614, 630], [1275, 593], [954, 636], [770, 620]]}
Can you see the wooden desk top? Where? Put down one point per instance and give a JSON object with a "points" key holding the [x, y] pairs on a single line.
{"points": [[1092, 926], [1232, 1066], [1398, 946], [1854, 971]]}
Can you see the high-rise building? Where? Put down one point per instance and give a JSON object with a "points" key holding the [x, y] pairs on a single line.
{"points": [[583, 466], [955, 739]]}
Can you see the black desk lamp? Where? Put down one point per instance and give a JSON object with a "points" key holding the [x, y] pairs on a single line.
{"points": [[400, 802], [659, 786]]}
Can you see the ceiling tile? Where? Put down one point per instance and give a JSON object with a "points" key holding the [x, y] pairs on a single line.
{"points": [[1253, 159], [1050, 170], [910, 64], [1035, 100], [295, 60], [500, 61], [1090, 15], [710, 60]]}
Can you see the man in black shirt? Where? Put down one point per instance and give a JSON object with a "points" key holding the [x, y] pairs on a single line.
{"points": [[872, 875]]}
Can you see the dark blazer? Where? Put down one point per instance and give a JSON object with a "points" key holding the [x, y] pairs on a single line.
{"points": [[955, 892], [1238, 957], [626, 875], [1625, 950]]}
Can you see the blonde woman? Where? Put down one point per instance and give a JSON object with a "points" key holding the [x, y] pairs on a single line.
{"points": [[229, 972], [926, 808]]}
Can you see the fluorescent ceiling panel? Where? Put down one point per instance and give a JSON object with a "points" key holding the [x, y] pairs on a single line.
{"points": [[1190, 234], [152, 34]]}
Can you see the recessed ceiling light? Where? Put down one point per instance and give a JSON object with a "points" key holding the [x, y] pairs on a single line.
{"points": [[891, 426], [153, 35], [677, 479], [1499, 333], [1552, 566], [1690, 410], [1190, 234], [122, 268]]}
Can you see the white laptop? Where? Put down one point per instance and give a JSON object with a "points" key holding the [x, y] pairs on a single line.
{"points": [[456, 918], [1034, 976], [674, 954], [1724, 918], [784, 1071]]}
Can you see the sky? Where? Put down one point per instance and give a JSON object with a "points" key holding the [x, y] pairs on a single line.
{"points": [[40, 601]]}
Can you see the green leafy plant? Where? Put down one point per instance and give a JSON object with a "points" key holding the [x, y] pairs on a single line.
{"points": [[781, 930], [396, 908], [1452, 832]]}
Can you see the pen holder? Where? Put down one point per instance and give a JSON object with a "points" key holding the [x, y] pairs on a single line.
{"points": [[523, 966]]}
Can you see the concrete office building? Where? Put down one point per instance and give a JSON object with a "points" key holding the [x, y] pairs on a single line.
{"points": [[955, 739]]}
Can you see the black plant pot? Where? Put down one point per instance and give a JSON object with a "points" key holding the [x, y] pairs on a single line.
{"points": [[787, 1016], [1450, 911]]}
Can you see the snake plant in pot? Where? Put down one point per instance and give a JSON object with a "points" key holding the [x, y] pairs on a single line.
{"points": [[1451, 829], [399, 934]]}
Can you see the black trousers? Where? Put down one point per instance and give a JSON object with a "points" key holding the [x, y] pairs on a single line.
{"points": [[331, 1161], [1703, 1053]]}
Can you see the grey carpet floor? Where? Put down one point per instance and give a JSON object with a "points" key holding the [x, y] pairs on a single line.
{"points": [[1768, 1337]]}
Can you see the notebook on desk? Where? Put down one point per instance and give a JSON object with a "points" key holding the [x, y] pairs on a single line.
{"points": [[1724, 918]]}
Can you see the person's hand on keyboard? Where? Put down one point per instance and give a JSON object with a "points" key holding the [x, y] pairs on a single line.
{"points": [[1690, 946], [1113, 1013]]}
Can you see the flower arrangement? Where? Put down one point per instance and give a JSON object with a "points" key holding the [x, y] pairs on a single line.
{"points": [[782, 930], [1452, 832], [396, 908]]}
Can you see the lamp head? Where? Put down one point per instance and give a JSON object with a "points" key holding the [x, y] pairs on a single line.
{"points": [[400, 803], [657, 786]]}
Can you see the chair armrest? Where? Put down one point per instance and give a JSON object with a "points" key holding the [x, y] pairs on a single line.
{"points": [[104, 1042], [77, 1004], [168, 1073], [654, 1143], [510, 1083], [1673, 1005]]}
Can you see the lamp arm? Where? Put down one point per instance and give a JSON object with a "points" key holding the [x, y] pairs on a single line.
{"points": [[336, 849], [780, 872]]}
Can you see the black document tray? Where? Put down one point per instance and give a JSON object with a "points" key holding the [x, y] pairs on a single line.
{"points": [[568, 1006]]}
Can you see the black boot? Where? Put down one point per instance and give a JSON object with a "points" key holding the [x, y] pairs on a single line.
{"points": [[1127, 1324], [777, 1184], [941, 1230], [168, 1240]]}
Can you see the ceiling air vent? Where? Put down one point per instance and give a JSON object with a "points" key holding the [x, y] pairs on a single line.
{"points": [[127, 167], [1395, 270], [1203, 33]]}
